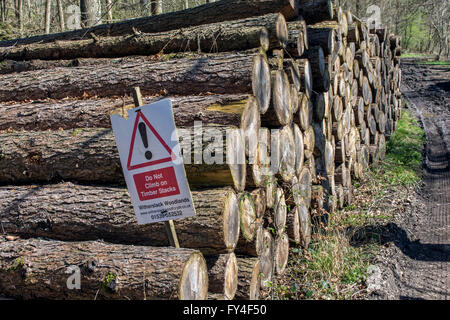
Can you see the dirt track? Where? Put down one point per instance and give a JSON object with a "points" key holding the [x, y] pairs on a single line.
{"points": [[416, 263]]}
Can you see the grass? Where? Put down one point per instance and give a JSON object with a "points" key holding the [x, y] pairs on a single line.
{"points": [[437, 63], [335, 266], [413, 55]]}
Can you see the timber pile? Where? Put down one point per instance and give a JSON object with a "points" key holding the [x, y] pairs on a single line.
{"points": [[307, 92]]}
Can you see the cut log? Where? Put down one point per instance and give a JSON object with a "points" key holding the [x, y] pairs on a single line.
{"points": [[217, 37], [287, 154], [251, 247], [65, 212], [305, 76], [316, 60], [318, 101], [305, 113], [249, 282], [305, 186], [280, 111], [250, 124], [247, 216], [200, 15], [293, 225], [280, 211], [223, 73], [309, 141], [305, 225], [259, 201], [299, 148], [222, 274], [281, 253], [293, 73], [297, 40], [266, 259], [271, 191], [49, 156], [37, 268], [315, 11], [323, 37], [261, 86], [71, 114]]}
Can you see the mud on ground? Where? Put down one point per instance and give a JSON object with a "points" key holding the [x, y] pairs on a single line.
{"points": [[415, 262]]}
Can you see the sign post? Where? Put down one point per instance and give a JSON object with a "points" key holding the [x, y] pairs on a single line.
{"points": [[152, 165]]}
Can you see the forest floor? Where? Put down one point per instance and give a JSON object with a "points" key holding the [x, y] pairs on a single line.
{"points": [[416, 262]]}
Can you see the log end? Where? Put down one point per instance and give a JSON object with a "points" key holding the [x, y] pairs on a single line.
{"points": [[193, 283]]}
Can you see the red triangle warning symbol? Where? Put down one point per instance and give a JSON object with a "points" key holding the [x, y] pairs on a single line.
{"points": [[140, 155]]}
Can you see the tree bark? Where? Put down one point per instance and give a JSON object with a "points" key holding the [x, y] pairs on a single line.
{"points": [[37, 268], [60, 15], [94, 113], [248, 278], [223, 274], [323, 37], [71, 212], [48, 7], [315, 11], [217, 37], [90, 13], [200, 15], [227, 73], [90, 155]]}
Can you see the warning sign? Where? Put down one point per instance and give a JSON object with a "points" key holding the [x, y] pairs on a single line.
{"points": [[151, 162], [156, 184]]}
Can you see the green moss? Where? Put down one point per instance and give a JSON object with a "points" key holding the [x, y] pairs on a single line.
{"points": [[109, 283], [17, 264]]}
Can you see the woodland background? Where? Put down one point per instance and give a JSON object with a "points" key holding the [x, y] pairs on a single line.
{"points": [[423, 25]]}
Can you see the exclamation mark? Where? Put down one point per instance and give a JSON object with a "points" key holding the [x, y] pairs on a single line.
{"points": [[143, 132]]}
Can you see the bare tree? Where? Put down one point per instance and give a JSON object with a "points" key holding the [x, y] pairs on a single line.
{"points": [[90, 13], [60, 15], [48, 8], [3, 9], [156, 6], [109, 11]]}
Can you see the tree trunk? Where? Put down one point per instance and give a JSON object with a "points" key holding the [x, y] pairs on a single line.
{"points": [[109, 11], [35, 268], [60, 15], [91, 14], [48, 7], [156, 7], [66, 212], [200, 15], [227, 73], [218, 37]]}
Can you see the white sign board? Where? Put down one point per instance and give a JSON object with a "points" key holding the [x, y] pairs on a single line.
{"points": [[152, 164]]}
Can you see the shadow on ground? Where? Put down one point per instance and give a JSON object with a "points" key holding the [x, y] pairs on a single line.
{"points": [[391, 232]]}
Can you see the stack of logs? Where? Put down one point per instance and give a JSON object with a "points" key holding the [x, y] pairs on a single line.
{"points": [[304, 94]]}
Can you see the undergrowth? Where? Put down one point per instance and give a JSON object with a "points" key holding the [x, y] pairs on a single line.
{"points": [[335, 266]]}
